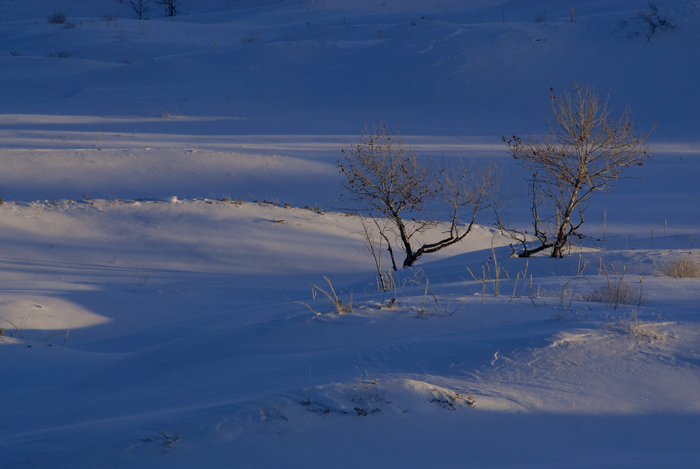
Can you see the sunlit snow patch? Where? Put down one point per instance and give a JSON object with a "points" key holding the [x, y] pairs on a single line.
{"points": [[44, 313]]}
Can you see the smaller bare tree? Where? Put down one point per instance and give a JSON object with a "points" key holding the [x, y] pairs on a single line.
{"points": [[585, 151], [387, 180], [171, 6], [139, 7]]}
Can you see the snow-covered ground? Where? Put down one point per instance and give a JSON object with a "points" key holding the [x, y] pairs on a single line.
{"points": [[170, 196]]}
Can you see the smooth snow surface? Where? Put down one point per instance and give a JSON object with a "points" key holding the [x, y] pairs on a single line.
{"points": [[170, 196]]}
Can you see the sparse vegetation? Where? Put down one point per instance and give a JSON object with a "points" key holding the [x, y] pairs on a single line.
{"points": [[681, 267], [167, 114], [374, 246], [65, 338], [60, 55], [630, 324], [166, 441], [57, 18], [337, 303], [655, 21], [568, 316], [617, 290], [422, 311], [140, 275], [614, 293], [450, 400], [16, 53], [21, 328], [315, 209], [340, 308], [575, 280], [250, 38], [484, 280]]}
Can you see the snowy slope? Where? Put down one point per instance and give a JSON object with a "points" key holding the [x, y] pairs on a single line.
{"points": [[317, 68], [156, 292]]}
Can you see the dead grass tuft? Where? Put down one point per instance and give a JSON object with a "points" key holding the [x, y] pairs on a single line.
{"points": [[630, 324], [681, 267], [612, 293]]}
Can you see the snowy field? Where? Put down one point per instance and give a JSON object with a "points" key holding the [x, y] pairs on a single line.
{"points": [[170, 195]]}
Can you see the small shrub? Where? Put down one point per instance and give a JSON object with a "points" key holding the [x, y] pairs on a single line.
{"points": [[167, 441], [110, 17], [542, 17], [57, 18], [16, 53], [655, 21], [140, 275], [70, 25], [250, 38], [125, 61], [680, 267], [630, 324]]}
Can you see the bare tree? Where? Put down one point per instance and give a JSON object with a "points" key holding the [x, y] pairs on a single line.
{"points": [[542, 227], [387, 180], [170, 6], [139, 7], [584, 151]]}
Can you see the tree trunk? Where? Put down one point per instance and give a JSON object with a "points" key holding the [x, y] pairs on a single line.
{"points": [[562, 236]]}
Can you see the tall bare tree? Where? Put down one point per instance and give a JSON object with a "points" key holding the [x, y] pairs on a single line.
{"points": [[386, 179], [584, 151], [171, 6], [139, 7]]}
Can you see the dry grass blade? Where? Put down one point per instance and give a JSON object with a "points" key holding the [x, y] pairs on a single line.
{"points": [[337, 302], [304, 304], [22, 326]]}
